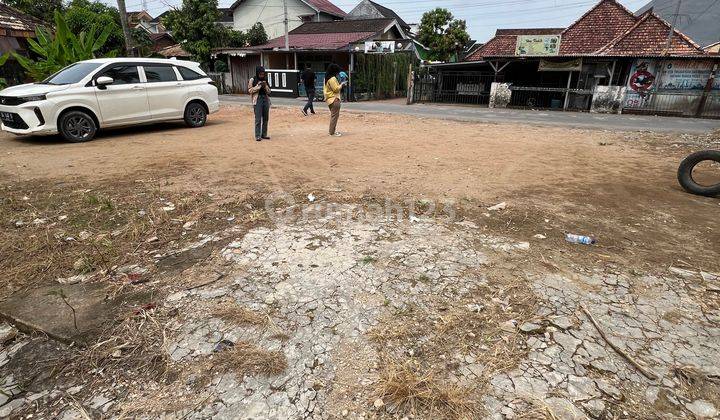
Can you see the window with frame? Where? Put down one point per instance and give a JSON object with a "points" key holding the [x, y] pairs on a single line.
{"points": [[188, 74], [123, 74], [155, 73]]}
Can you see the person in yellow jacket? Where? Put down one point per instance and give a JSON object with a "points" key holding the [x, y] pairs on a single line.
{"points": [[332, 89]]}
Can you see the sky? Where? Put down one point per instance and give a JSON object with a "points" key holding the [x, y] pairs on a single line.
{"points": [[482, 16]]}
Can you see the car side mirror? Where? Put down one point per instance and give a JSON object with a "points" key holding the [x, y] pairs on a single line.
{"points": [[103, 81]]}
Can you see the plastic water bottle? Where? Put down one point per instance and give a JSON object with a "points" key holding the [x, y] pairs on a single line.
{"points": [[579, 239]]}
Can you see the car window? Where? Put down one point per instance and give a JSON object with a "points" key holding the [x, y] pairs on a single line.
{"points": [[159, 73], [71, 74], [123, 75], [188, 74]]}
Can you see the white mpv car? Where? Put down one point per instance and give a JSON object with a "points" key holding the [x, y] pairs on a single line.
{"points": [[89, 95]]}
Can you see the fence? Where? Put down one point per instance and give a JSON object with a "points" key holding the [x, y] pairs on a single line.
{"points": [[673, 103], [550, 98], [454, 87]]}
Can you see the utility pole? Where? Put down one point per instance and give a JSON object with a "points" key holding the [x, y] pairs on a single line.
{"points": [[125, 28], [672, 27], [285, 20]]}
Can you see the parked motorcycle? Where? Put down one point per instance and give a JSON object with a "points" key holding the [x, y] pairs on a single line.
{"points": [[685, 173]]}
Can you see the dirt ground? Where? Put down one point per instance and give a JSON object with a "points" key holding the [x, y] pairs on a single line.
{"points": [[166, 271]]}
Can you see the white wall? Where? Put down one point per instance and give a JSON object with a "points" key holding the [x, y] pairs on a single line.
{"points": [[270, 13]]}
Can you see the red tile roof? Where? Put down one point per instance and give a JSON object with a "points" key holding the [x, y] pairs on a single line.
{"points": [[327, 7], [326, 41], [530, 31], [598, 26], [15, 20], [649, 37], [499, 46], [173, 51], [608, 29]]}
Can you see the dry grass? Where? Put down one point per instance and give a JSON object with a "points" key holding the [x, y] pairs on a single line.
{"points": [[132, 349], [415, 392], [48, 231], [233, 313], [246, 358]]}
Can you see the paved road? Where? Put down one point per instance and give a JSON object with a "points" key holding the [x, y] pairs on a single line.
{"points": [[546, 118]]}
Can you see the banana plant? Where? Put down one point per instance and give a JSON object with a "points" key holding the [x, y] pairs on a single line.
{"points": [[3, 59], [62, 48]]}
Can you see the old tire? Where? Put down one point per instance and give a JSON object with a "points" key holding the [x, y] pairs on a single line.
{"points": [[685, 172], [195, 115], [77, 126]]}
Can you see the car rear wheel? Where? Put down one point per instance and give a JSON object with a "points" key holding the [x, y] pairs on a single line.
{"points": [[195, 115], [77, 126]]}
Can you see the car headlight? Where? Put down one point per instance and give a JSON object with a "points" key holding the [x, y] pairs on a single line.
{"points": [[33, 98]]}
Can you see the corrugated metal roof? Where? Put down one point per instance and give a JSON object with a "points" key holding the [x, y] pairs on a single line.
{"points": [[325, 41]]}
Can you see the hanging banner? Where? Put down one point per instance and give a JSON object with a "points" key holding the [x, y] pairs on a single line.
{"points": [[537, 45], [379, 47], [572, 65]]}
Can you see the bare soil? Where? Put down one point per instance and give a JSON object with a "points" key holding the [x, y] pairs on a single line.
{"points": [[170, 200]]}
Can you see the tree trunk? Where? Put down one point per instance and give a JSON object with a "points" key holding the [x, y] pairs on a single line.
{"points": [[126, 28]]}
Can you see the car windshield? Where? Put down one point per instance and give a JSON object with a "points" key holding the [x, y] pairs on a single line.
{"points": [[71, 74]]}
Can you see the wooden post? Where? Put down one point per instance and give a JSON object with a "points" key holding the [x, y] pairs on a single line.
{"points": [[410, 85], [232, 76], [706, 91], [567, 92]]}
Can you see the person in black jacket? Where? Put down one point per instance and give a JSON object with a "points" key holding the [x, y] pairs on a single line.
{"points": [[308, 79]]}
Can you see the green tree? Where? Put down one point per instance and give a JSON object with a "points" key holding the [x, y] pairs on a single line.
{"points": [[82, 15], [233, 38], [195, 26], [444, 35], [41, 9], [257, 35], [61, 48]]}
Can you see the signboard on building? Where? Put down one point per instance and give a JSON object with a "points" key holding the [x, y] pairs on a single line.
{"points": [[650, 76], [572, 65], [686, 75], [379, 47], [537, 45]]}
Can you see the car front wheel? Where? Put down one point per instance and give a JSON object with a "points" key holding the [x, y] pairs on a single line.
{"points": [[195, 115], [77, 126]]}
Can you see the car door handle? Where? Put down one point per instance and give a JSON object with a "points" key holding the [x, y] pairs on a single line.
{"points": [[178, 84], [137, 88]]}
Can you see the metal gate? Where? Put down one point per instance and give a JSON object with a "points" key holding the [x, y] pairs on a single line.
{"points": [[550, 98], [453, 87], [674, 103]]}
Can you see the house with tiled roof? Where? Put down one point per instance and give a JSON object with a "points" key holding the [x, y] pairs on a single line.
{"points": [[247, 13], [317, 45], [607, 49]]}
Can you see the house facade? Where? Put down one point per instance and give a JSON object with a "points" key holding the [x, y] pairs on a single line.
{"points": [[317, 45], [143, 20], [245, 13], [367, 9], [609, 60]]}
